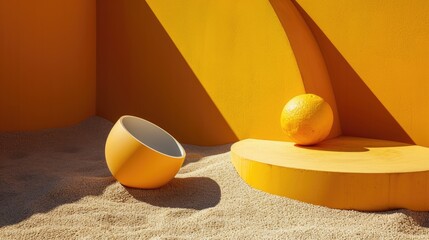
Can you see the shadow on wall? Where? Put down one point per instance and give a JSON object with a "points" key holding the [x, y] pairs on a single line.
{"points": [[47, 63], [361, 113], [141, 72]]}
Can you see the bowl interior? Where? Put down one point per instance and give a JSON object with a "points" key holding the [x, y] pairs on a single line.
{"points": [[152, 136]]}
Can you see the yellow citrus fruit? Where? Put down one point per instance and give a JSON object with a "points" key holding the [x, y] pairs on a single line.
{"points": [[307, 119]]}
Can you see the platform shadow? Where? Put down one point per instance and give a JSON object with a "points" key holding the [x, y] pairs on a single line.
{"points": [[361, 113], [192, 193], [351, 144]]}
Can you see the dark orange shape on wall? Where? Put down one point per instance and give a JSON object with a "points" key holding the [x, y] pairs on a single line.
{"points": [[308, 56]]}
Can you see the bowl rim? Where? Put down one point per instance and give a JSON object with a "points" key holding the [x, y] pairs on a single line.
{"points": [[182, 150]]}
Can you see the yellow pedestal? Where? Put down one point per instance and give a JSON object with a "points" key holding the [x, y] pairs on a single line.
{"points": [[344, 173]]}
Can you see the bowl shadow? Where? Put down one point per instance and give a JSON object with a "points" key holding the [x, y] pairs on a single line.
{"points": [[192, 193]]}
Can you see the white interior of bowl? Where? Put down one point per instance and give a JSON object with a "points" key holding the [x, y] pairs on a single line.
{"points": [[152, 136]]}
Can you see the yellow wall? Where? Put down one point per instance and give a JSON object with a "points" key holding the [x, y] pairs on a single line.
{"points": [[210, 72], [377, 56], [47, 63]]}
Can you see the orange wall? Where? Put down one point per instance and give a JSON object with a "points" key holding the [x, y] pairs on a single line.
{"points": [[47, 63]]}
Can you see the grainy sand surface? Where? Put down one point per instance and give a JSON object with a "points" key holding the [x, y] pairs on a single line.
{"points": [[54, 184]]}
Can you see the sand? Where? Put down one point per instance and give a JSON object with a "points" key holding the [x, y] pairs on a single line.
{"points": [[54, 184]]}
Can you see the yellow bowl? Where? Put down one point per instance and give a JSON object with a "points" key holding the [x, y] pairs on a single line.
{"points": [[140, 154]]}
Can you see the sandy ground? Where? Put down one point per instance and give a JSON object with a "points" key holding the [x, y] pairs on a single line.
{"points": [[54, 184]]}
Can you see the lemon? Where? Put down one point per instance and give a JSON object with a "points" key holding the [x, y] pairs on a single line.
{"points": [[307, 119]]}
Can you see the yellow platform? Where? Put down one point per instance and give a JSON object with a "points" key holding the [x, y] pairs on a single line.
{"points": [[344, 173]]}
